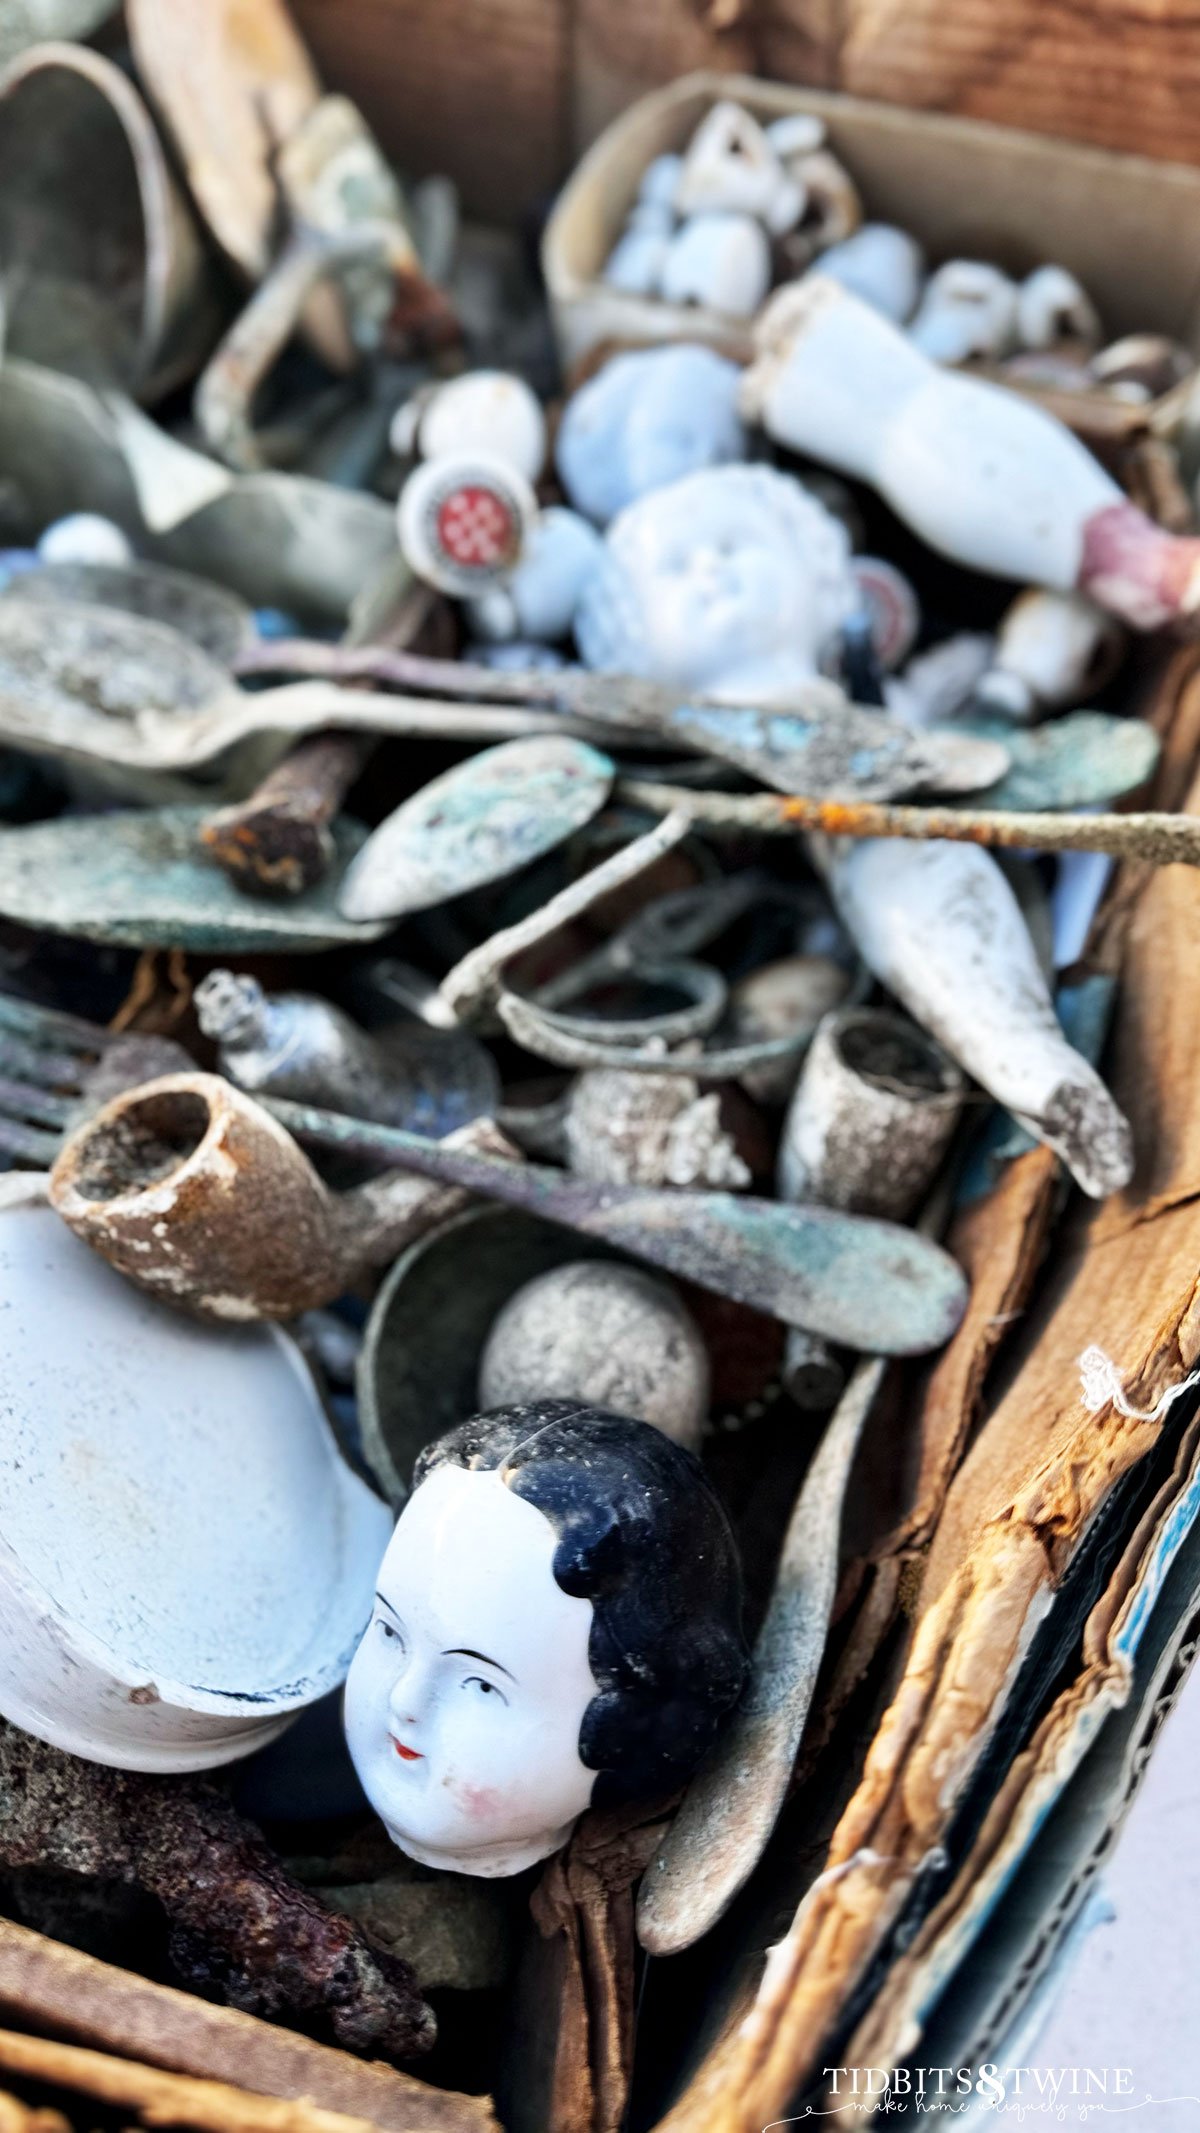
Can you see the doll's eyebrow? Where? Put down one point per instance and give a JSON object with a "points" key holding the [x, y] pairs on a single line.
{"points": [[387, 1603], [463, 1651]]}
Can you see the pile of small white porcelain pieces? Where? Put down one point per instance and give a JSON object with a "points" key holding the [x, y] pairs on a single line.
{"points": [[747, 207], [744, 207]]}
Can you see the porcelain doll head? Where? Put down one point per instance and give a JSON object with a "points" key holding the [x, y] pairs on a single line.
{"points": [[557, 1623], [647, 419], [730, 582]]}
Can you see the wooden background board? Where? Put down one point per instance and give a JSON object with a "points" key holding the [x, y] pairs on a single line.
{"points": [[504, 93]]}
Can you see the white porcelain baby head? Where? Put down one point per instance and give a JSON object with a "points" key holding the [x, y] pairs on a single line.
{"points": [[557, 1620], [731, 582], [647, 418]]}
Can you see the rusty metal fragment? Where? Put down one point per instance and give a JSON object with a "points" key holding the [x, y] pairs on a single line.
{"points": [[237, 1920], [280, 841]]}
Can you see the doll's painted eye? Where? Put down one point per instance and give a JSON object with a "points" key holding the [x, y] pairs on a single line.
{"points": [[484, 1688], [390, 1633]]}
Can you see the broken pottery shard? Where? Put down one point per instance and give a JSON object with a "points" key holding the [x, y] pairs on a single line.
{"points": [[730, 1809], [483, 820], [807, 1265], [137, 880], [231, 83], [155, 1619], [981, 474], [939, 926]]}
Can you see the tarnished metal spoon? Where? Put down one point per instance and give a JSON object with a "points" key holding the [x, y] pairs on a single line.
{"points": [[858, 1281]]}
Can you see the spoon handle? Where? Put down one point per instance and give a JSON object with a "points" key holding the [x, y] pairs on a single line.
{"points": [[872, 1285]]}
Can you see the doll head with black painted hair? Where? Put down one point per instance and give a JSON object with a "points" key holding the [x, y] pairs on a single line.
{"points": [[558, 1623]]}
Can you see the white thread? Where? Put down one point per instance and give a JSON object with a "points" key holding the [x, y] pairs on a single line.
{"points": [[1102, 1387]]}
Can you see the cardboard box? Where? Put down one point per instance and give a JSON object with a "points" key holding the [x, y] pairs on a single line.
{"points": [[1123, 224]]}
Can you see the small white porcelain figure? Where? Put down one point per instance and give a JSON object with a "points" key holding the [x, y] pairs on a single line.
{"points": [[881, 264], [1053, 650], [646, 419], [731, 582], [798, 133], [635, 264], [833, 208], [1052, 306], [968, 308], [557, 1620], [660, 182], [980, 473], [485, 411], [719, 260], [540, 598], [731, 164]]}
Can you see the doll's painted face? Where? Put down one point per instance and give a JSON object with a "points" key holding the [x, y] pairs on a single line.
{"points": [[466, 1696], [731, 580]]}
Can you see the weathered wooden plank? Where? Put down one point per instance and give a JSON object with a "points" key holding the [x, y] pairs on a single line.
{"points": [[1123, 74], [623, 48], [481, 92]]}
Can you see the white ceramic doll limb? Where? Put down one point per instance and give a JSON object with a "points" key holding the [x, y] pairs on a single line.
{"points": [[646, 419], [940, 927], [979, 473], [466, 1696], [731, 581]]}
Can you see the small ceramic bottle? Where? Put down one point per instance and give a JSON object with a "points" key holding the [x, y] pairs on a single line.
{"points": [[982, 475]]}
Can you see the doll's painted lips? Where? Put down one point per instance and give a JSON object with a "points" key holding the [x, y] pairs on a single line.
{"points": [[409, 1755]]}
